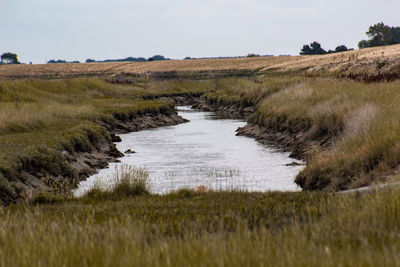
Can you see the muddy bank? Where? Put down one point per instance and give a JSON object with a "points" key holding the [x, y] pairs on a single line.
{"points": [[297, 144], [87, 164], [233, 109], [78, 165]]}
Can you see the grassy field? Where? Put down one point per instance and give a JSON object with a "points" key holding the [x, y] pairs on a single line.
{"points": [[129, 227]]}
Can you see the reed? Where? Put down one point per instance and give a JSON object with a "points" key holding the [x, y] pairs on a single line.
{"points": [[206, 229]]}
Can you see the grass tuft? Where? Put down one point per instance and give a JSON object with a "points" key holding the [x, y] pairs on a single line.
{"points": [[127, 182]]}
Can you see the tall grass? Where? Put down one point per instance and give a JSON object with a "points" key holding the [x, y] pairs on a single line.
{"points": [[206, 229], [243, 93], [357, 124], [127, 181]]}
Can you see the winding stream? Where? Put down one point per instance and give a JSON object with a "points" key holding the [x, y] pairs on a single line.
{"points": [[203, 152]]}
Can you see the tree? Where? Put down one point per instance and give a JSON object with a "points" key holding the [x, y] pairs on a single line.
{"points": [[363, 44], [9, 58], [89, 60], [341, 48], [306, 50], [381, 34], [253, 55], [317, 49], [313, 49], [157, 58], [53, 61]]}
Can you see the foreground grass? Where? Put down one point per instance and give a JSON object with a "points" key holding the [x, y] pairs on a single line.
{"points": [[189, 228]]}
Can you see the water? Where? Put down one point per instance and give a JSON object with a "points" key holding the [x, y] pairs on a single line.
{"points": [[203, 152]]}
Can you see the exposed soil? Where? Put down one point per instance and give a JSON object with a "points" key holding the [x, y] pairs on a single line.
{"points": [[85, 164], [231, 110]]}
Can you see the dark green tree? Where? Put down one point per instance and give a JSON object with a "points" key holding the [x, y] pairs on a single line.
{"points": [[381, 34], [306, 50], [313, 49], [341, 48], [9, 58], [363, 44]]}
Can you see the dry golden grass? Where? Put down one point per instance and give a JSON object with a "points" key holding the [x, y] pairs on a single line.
{"points": [[70, 69], [370, 60], [336, 60]]}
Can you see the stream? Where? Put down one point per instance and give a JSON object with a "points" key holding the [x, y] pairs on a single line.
{"points": [[203, 152]]}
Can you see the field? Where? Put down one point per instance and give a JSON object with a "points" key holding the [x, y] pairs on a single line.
{"points": [[365, 64]]}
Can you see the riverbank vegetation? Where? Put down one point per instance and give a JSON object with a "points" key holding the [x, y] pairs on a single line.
{"points": [[347, 130], [43, 122], [358, 123]]}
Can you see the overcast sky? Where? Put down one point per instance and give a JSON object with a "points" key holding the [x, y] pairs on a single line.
{"points": [[40, 30]]}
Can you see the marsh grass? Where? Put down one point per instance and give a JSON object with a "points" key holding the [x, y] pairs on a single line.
{"points": [[242, 92], [192, 228], [360, 120], [127, 181]]}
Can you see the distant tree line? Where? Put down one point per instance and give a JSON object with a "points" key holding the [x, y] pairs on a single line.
{"points": [[315, 49], [128, 59], [248, 55], [131, 59], [381, 34], [53, 61]]}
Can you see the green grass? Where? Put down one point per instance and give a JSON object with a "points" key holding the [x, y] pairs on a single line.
{"points": [[189, 228]]}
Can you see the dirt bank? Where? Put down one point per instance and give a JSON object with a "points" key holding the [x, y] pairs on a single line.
{"points": [[86, 164], [297, 143], [81, 165], [232, 109]]}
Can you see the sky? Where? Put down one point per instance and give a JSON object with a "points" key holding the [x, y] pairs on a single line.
{"points": [[40, 30]]}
